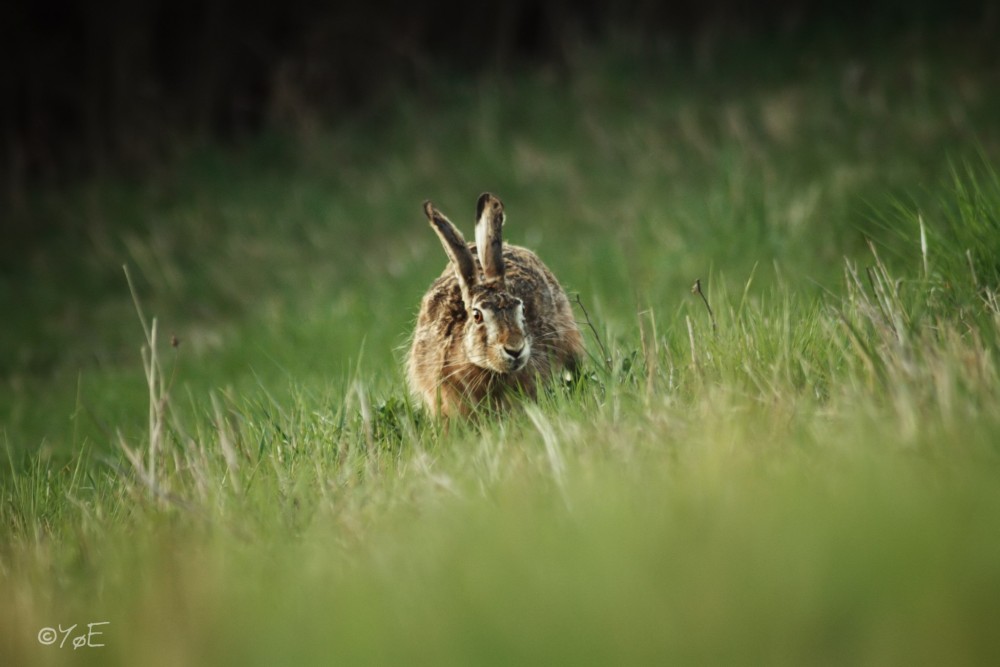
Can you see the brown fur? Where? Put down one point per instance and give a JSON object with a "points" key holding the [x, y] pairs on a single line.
{"points": [[439, 369]]}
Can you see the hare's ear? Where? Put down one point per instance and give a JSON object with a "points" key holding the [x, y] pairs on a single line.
{"points": [[456, 247], [489, 235]]}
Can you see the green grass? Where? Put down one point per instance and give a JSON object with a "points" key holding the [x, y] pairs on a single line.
{"points": [[815, 482]]}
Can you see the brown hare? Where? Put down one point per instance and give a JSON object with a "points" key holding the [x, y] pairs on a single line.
{"points": [[495, 323]]}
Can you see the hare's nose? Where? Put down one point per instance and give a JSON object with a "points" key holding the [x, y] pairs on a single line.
{"points": [[513, 353]]}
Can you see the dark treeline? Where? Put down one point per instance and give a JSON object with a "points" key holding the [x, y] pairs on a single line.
{"points": [[90, 85]]}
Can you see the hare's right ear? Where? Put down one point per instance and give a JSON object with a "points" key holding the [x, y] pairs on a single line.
{"points": [[489, 235], [456, 247]]}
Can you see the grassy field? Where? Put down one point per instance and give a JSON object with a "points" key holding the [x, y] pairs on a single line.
{"points": [[815, 479]]}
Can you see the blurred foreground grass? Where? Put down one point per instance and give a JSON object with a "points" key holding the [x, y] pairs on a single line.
{"points": [[815, 482]]}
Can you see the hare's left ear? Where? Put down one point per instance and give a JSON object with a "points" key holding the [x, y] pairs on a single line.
{"points": [[458, 252], [489, 235]]}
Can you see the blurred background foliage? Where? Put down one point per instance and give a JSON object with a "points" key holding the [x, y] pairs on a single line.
{"points": [[93, 86]]}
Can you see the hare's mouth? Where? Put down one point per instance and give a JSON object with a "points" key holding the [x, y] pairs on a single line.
{"points": [[514, 359], [516, 365], [503, 360]]}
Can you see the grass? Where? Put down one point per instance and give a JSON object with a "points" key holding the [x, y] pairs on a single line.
{"points": [[814, 480]]}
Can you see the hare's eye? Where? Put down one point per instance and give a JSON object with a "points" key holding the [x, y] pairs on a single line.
{"points": [[477, 315]]}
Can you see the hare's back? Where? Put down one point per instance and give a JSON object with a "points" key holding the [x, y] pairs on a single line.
{"points": [[527, 277], [443, 301]]}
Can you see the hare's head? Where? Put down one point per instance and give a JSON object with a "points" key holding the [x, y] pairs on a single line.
{"points": [[495, 335]]}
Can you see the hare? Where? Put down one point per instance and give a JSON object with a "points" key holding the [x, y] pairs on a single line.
{"points": [[495, 323]]}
